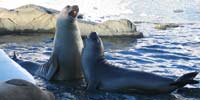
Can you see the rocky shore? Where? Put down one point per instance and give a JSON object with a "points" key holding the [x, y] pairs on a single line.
{"points": [[38, 19]]}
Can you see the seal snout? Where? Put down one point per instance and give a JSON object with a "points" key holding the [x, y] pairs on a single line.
{"points": [[93, 35], [74, 11]]}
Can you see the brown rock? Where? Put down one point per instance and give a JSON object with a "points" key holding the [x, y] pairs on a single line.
{"points": [[37, 19]]}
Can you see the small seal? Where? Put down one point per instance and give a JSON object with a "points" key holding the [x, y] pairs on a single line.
{"points": [[65, 61], [100, 75], [17, 89], [31, 67], [11, 70]]}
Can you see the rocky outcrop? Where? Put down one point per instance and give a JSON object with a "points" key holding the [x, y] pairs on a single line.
{"points": [[165, 26], [29, 18], [110, 28], [37, 19]]}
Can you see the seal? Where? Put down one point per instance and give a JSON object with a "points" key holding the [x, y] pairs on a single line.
{"points": [[65, 61], [17, 89], [101, 75], [30, 66], [11, 70]]}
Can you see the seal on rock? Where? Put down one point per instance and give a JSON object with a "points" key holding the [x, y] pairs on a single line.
{"points": [[9, 69], [100, 75], [17, 89], [65, 61]]}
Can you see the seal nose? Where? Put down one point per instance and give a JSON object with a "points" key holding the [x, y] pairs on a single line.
{"points": [[75, 7], [93, 35], [74, 11], [68, 6]]}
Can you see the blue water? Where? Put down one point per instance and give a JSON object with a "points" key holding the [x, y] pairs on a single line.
{"points": [[165, 10], [171, 52]]}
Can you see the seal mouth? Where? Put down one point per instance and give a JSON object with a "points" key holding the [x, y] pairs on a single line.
{"points": [[74, 11], [94, 36]]}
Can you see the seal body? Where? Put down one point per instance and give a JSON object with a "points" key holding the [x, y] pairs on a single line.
{"points": [[101, 75], [17, 89], [65, 61], [11, 70]]}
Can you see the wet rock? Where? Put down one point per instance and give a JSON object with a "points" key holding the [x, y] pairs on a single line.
{"points": [[178, 11], [110, 28], [165, 26], [38, 19], [28, 18]]}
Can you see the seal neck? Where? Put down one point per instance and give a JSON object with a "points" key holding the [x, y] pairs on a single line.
{"points": [[101, 59]]}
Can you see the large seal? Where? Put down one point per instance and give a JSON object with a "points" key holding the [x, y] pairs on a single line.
{"points": [[100, 75], [65, 61], [17, 89], [11, 70]]}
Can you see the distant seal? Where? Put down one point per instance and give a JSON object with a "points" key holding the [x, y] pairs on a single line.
{"points": [[9, 69], [30, 66], [17, 89], [65, 61], [100, 75]]}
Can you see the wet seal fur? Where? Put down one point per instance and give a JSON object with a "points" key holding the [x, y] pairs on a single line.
{"points": [[100, 75], [65, 61], [17, 89]]}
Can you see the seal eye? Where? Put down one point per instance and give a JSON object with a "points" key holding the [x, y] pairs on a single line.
{"points": [[68, 6]]}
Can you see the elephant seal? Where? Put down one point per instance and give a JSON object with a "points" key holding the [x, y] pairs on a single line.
{"points": [[9, 69], [65, 61], [17, 89], [30, 66], [100, 75]]}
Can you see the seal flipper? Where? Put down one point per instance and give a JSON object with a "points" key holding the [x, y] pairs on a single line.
{"points": [[48, 69], [52, 69], [185, 79], [14, 55], [92, 86]]}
